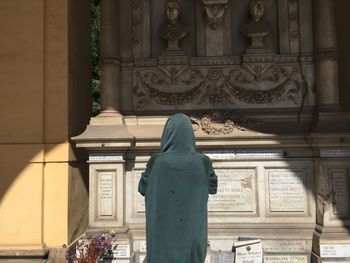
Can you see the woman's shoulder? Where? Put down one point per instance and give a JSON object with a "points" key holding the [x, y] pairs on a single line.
{"points": [[203, 157]]}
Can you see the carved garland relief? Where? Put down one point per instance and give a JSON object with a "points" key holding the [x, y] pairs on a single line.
{"points": [[257, 78], [216, 86]]}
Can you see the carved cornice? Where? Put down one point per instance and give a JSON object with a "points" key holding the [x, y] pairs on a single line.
{"points": [[327, 54], [173, 60], [110, 60], [127, 63], [221, 61], [306, 58], [214, 61], [146, 62]]}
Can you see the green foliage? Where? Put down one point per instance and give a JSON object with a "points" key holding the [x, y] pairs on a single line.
{"points": [[96, 105], [95, 40]]}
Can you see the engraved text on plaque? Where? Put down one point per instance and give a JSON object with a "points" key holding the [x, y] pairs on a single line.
{"points": [[106, 193], [287, 191], [236, 191]]}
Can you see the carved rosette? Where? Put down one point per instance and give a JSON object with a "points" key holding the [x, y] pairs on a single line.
{"points": [[214, 12]]}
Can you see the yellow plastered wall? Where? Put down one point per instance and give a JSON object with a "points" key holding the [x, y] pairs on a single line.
{"points": [[21, 206], [56, 204], [37, 161]]}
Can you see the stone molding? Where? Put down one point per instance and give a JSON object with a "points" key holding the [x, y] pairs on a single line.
{"points": [[330, 53]]}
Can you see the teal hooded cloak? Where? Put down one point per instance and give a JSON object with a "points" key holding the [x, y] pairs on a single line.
{"points": [[176, 185]]}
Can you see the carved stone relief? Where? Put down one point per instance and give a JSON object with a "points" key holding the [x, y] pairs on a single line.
{"points": [[136, 37], [221, 122], [214, 11], [294, 34], [246, 85], [257, 79]]}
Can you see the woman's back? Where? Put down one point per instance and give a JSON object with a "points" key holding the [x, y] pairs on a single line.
{"points": [[176, 185]]}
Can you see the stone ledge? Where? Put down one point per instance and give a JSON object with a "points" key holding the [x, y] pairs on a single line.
{"points": [[24, 255]]}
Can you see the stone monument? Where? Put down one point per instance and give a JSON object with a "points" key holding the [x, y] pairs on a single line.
{"points": [[267, 120]]}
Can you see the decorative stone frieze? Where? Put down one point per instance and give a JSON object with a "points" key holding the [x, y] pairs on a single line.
{"points": [[261, 83]]}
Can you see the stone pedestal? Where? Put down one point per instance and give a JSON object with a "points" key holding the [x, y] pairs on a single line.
{"points": [[331, 238], [270, 187]]}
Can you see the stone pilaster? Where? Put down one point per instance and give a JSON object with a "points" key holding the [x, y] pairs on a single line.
{"points": [[326, 48]]}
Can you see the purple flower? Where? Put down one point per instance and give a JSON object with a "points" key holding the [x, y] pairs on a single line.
{"points": [[92, 247]]}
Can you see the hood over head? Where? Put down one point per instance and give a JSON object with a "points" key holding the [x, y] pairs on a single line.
{"points": [[178, 135]]}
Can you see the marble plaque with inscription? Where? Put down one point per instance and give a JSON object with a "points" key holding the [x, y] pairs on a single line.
{"points": [[340, 189], [334, 153], [285, 259], [122, 251], [222, 257], [276, 246], [287, 191], [221, 155], [236, 191], [251, 253], [105, 182], [335, 250]]}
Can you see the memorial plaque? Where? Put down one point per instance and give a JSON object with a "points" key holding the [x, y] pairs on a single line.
{"points": [[287, 191], [335, 153], [236, 191], [222, 257], [340, 189], [105, 181], [105, 156], [284, 246], [122, 251], [335, 250], [248, 253], [285, 259], [260, 154], [221, 155]]}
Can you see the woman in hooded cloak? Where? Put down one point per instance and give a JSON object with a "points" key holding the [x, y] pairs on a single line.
{"points": [[176, 185]]}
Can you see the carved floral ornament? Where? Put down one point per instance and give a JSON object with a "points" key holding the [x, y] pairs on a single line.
{"points": [[214, 11], [220, 122]]}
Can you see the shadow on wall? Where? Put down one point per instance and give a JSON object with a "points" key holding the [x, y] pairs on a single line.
{"points": [[42, 199], [342, 8]]}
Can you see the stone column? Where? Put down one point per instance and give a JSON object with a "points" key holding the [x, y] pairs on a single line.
{"points": [[326, 48], [110, 60]]}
